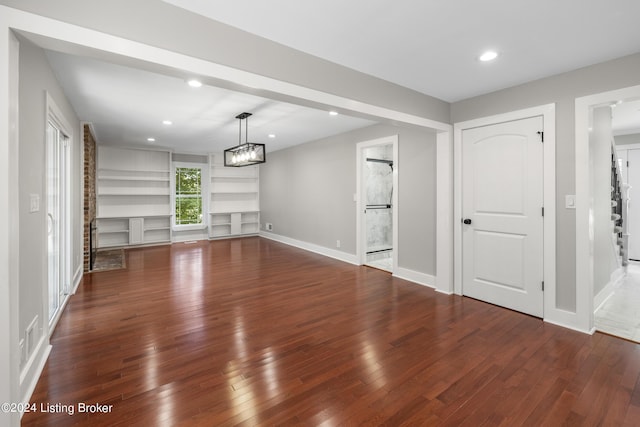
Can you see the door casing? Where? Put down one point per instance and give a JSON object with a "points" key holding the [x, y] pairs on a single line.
{"points": [[361, 235]]}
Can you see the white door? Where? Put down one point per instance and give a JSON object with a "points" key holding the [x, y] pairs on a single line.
{"points": [[502, 230], [633, 215]]}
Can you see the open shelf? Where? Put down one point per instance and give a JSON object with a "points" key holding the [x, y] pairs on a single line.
{"points": [[234, 200]]}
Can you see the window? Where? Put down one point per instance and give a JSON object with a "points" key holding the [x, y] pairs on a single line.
{"points": [[188, 196]]}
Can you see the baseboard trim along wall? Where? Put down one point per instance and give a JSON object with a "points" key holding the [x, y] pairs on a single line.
{"points": [[33, 369], [423, 279], [402, 273], [331, 253], [77, 278]]}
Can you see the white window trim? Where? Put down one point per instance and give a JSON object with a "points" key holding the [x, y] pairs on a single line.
{"points": [[204, 189]]}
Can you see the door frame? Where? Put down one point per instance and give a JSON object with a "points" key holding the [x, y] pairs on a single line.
{"points": [[549, 199], [361, 235], [582, 318], [55, 115]]}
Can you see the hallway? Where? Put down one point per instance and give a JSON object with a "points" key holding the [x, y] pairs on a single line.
{"points": [[620, 314]]}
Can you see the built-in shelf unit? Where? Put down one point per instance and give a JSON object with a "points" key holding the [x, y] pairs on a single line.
{"points": [[133, 196], [234, 202]]}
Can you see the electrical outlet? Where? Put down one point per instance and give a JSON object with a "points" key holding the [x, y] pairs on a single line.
{"points": [[337, 243], [268, 226]]}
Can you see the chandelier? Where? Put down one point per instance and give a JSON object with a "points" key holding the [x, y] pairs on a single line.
{"points": [[247, 154]]}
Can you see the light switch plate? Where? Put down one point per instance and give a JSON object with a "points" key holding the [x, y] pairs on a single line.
{"points": [[570, 201], [34, 202]]}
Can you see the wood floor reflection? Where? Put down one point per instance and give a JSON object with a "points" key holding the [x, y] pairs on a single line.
{"points": [[253, 332]]}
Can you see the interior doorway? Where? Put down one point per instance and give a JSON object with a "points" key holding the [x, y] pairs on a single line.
{"points": [[378, 197]]}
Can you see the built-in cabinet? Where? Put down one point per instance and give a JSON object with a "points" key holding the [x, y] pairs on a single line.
{"points": [[133, 197], [234, 202]]}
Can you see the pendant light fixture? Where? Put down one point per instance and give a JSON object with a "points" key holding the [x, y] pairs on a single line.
{"points": [[247, 154]]}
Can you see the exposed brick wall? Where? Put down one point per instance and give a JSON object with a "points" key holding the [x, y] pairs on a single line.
{"points": [[89, 189]]}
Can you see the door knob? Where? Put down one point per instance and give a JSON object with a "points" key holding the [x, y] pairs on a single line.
{"points": [[466, 221]]}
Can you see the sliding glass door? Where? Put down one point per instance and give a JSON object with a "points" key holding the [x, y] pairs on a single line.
{"points": [[58, 242]]}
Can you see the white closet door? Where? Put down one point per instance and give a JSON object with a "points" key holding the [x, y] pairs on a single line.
{"points": [[502, 187]]}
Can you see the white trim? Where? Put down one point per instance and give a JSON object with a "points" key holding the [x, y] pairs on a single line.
{"points": [[77, 278], [444, 215], [361, 234], [551, 313], [204, 194], [416, 277], [9, 221], [331, 253], [177, 238], [34, 366], [402, 273], [584, 230], [54, 114]]}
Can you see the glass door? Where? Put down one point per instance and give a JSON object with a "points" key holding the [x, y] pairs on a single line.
{"points": [[57, 218]]}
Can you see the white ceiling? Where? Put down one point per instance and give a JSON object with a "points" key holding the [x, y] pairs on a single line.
{"points": [[432, 45], [127, 105], [427, 45]]}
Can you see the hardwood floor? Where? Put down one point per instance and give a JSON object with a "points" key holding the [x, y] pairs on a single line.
{"points": [[253, 332]]}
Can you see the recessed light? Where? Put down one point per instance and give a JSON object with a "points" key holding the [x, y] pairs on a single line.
{"points": [[272, 135], [151, 139], [194, 83], [489, 55], [333, 113], [167, 122]]}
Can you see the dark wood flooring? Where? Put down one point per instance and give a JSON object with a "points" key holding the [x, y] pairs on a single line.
{"points": [[255, 333]]}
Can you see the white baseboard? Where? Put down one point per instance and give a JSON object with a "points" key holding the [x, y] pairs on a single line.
{"points": [[568, 325], [77, 277], [331, 253], [189, 237], [402, 273], [616, 278], [33, 369], [416, 277]]}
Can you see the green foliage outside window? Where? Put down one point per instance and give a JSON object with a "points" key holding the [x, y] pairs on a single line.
{"points": [[188, 196]]}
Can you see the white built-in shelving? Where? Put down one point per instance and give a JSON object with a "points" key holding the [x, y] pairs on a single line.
{"points": [[133, 196], [234, 200]]}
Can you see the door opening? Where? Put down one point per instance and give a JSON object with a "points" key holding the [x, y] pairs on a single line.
{"points": [[377, 162], [58, 218]]}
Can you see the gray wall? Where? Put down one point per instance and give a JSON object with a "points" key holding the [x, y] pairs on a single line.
{"points": [[561, 89], [36, 77], [306, 192], [627, 139]]}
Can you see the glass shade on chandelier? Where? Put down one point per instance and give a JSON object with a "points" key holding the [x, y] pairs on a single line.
{"points": [[247, 153], [244, 155]]}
